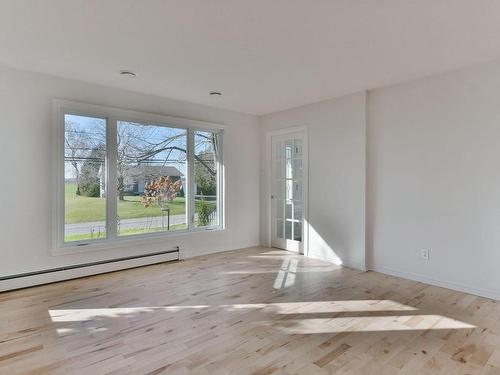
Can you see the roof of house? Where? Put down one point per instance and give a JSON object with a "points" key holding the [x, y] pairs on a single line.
{"points": [[152, 170]]}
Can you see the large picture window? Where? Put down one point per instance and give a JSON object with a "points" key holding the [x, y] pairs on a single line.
{"points": [[125, 178]]}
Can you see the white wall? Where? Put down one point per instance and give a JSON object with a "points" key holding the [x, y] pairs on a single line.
{"points": [[336, 131], [25, 159], [432, 176], [434, 179]]}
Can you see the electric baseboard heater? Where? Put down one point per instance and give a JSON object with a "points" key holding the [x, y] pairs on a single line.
{"points": [[23, 280]]}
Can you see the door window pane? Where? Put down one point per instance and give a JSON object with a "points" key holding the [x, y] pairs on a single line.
{"points": [[288, 149], [297, 189], [288, 168], [288, 230], [289, 189], [297, 149], [297, 231], [84, 178], [288, 210], [151, 170], [205, 178], [297, 168], [297, 210]]}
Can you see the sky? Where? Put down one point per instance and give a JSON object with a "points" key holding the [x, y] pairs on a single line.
{"points": [[92, 129]]}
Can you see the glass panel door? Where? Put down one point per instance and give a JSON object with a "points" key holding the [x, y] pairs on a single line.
{"points": [[287, 192]]}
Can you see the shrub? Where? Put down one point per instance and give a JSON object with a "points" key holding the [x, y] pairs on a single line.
{"points": [[203, 213], [90, 189]]}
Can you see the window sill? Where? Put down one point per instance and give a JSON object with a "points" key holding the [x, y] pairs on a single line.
{"points": [[120, 242]]}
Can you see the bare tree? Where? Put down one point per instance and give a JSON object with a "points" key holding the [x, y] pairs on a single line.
{"points": [[137, 144], [84, 148]]}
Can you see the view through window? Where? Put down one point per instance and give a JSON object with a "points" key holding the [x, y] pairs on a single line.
{"points": [[84, 178], [167, 178], [151, 178], [205, 178]]}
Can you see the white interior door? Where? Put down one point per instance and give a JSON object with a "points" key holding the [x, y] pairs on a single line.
{"points": [[287, 191]]}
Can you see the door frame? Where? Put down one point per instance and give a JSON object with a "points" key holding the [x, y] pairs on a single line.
{"points": [[305, 186]]}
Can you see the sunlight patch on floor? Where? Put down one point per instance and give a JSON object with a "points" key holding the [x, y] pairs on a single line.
{"points": [[366, 324], [80, 315], [275, 252], [306, 307], [286, 275], [307, 325], [341, 306]]}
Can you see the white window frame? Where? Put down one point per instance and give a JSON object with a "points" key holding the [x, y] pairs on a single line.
{"points": [[112, 115]]}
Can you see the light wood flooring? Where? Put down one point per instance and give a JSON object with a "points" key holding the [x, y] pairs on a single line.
{"points": [[253, 311]]}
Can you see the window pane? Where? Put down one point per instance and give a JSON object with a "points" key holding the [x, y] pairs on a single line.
{"points": [[84, 178], [289, 189], [297, 189], [288, 149], [288, 168], [205, 178], [288, 230], [297, 210], [297, 231], [288, 210], [151, 170], [297, 169], [297, 149]]}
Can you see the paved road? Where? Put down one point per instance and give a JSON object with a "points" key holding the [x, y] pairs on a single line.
{"points": [[145, 222]]}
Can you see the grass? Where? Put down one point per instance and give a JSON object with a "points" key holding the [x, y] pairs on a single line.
{"points": [[125, 232], [84, 209]]}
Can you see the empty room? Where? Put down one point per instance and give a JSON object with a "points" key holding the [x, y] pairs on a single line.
{"points": [[250, 187]]}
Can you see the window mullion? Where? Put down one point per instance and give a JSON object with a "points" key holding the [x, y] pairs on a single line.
{"points": [[111, 178], [220, 181], [189, 179], [60, 174]]}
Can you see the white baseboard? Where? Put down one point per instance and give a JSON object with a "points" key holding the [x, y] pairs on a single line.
{"points": [[441, 283], [45, 278]]}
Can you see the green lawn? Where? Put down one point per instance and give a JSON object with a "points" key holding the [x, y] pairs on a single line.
{"points": [[125, 232], [84, 209]]}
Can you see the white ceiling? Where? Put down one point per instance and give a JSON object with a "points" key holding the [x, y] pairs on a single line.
{"points": [[264, 55]]}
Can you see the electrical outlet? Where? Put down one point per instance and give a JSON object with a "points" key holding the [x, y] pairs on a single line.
{"points": [[424, 253]]}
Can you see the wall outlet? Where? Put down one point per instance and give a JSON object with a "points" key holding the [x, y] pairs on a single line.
{"points": [[424, 253]]}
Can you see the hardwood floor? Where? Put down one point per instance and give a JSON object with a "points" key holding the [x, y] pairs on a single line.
{"points": [[260, 311]]}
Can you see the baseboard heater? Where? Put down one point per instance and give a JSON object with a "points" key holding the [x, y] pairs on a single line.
{"points": [[23, 280]]}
